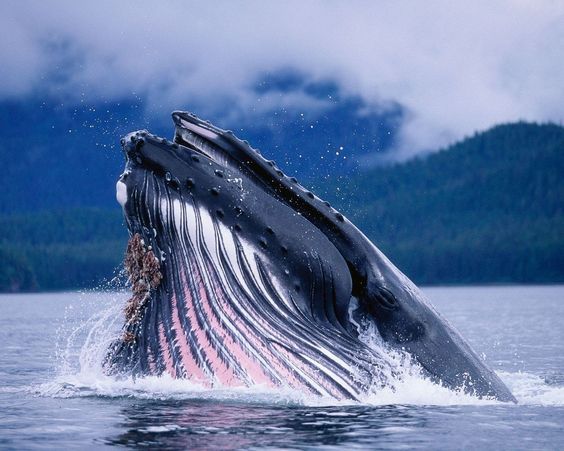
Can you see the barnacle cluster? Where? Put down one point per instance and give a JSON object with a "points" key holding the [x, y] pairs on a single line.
{"points": [[143, 268]]}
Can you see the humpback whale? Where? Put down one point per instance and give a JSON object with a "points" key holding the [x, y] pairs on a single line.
{"points": [[241, 276]]}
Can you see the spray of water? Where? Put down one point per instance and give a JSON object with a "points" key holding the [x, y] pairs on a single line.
{"points": [[93, 323]]}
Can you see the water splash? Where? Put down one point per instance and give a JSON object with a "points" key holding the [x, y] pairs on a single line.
{"points": [[92, 324], [531, 389]]}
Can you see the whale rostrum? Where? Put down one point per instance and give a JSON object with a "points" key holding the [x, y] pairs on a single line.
{"points": [[241, 276]]}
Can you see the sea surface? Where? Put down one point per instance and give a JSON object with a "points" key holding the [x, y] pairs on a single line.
{"points": [[53, 394]]}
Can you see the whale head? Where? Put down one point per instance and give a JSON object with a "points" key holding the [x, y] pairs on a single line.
{"points": [[242, 276]]}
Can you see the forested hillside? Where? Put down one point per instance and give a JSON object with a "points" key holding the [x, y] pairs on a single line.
{"points": [[60, 249], [486, 210]]}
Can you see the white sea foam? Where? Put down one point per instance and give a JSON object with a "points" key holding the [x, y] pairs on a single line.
{"points": [[83, 346], [531, 389]]}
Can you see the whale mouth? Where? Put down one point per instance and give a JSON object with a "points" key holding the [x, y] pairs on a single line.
{"points": [[204, 138], [242, 276], [230, 286]]}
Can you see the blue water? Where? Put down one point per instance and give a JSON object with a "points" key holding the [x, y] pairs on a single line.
{"points": [[53, 394]]}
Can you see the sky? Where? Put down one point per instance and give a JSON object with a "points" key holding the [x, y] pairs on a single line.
{"points": [[453, 67]]}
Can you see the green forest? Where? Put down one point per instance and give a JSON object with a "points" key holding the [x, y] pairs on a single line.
{"points": [[76, 248], [488, 209]]}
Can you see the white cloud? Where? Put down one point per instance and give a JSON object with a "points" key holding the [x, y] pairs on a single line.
{"points": [[455, 67]]}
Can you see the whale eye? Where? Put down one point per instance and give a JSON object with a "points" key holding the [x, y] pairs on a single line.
{"points": [[339, 217], [214, 191], [310, 195], [218, 173], [190, 182], [269, 230], [220, 213], [386, 299], [195, 158]]}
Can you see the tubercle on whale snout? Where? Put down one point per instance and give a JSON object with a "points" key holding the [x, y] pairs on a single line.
{"points": [[245, 157], [145, 276], [252, 161]]}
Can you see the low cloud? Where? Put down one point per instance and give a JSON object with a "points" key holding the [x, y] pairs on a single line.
{"points": [[453, 67]]}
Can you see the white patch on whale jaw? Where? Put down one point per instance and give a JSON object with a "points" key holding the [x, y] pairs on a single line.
{"points": [[121, 193]]}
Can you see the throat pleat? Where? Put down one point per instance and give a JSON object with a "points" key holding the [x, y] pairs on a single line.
{"points": [[220, 317]]}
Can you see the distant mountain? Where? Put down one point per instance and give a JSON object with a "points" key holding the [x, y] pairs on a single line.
{"points": [[489, 209], [57, 156], [60, 155], [55, 250]]}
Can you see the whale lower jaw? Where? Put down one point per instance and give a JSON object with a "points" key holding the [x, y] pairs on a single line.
{"points": [[219, 318]]}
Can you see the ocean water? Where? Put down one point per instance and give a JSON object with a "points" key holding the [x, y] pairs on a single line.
{"points": [[53, 394]]}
